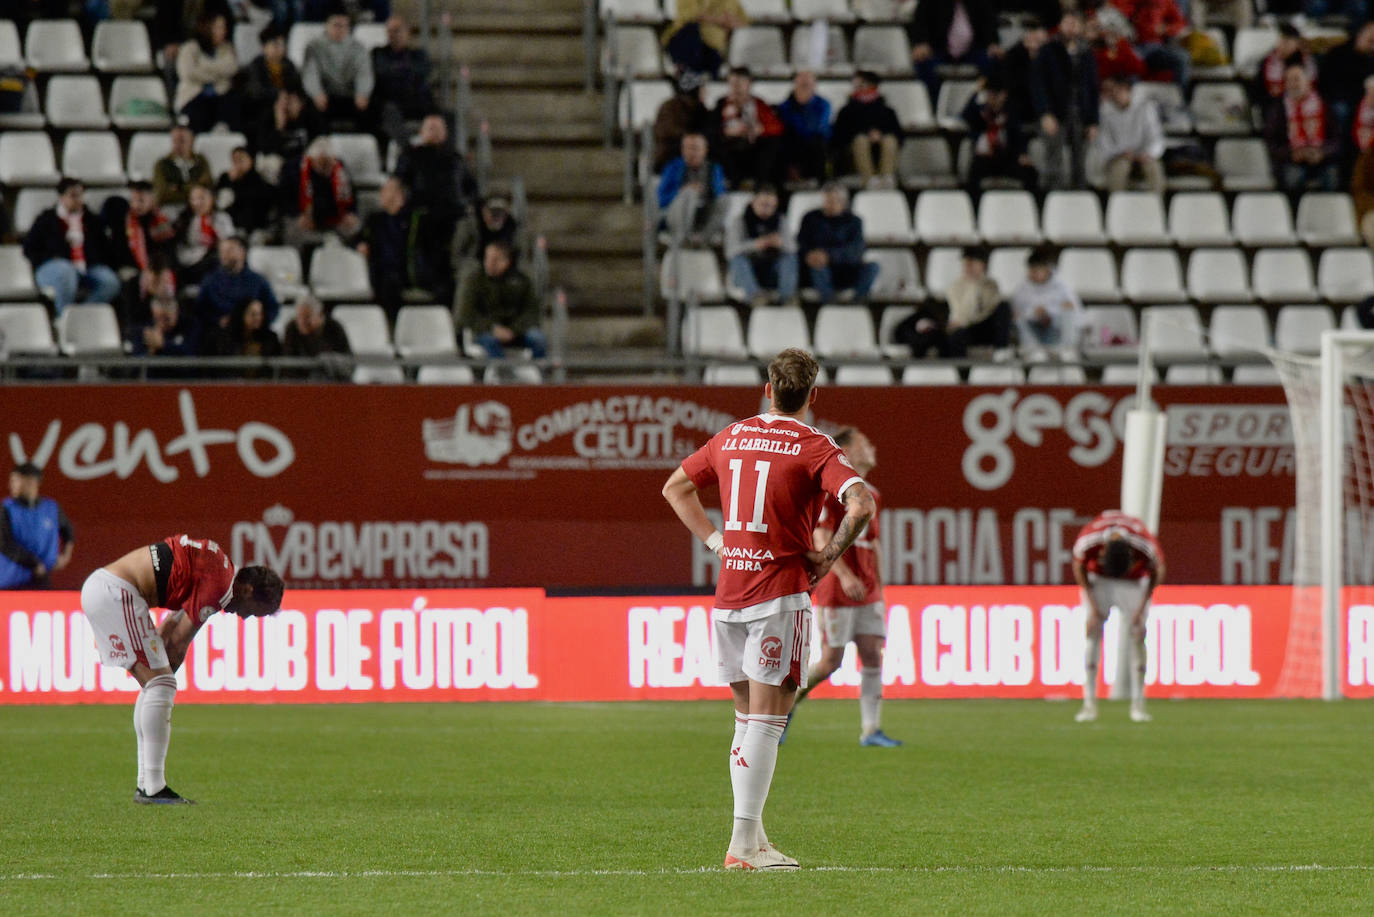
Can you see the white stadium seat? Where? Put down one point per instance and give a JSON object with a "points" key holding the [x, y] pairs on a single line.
{"points": [[445, 374], [1125, 374], [829, 10], [337, 273], [925, 162], [145, 149], [1238, 329], [945, 218], [1152, 275], [732, 374], [713, 331], [1193, 374], [899, 280], [218, 146], [845, 331], [1109, 329], [1221, 109], [26, 158], [1345, 274], [887, 323], [759, 47], [378, 374], [1073, 218], [776, 328], [281, 266], [800, 204], [1199, 218], [1008, 218], [1091, 272], [699, 276], [774, 11], [85, 329], [1007, 268], [886, 217], [122, 46], [93, 157], [29, 203], [949, 104], [11, 55], [635, 52], [911, 101], [127, 90], [1282, 275], [299, 38], [423, 331], [1056, 374], [631, 10], [640, 101], [994, 374], [862, 374], [1255, 374], [1136, 218], [822, 49], [26, 329], [16, 274], [75, 102], [247, 44], [360, 156], [55, 46], [1263, 218], [371, 35], [366, 329], [1299, 328], [1252, 45], [943, 265], [883, 49], [1173, 330], [1244, 164], [1218, 275], [930, 374], [1326, 219]]}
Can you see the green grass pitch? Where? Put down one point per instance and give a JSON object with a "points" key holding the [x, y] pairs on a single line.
{"points": [[991, 808]]}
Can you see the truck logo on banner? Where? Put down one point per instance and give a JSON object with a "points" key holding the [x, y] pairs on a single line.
{"points": [[479, 434]]}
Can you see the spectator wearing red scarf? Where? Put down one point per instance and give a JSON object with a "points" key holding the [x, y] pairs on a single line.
{"points": [[1159, 24], [317, 196], [199, 230], [748, 133], [1301, 144], [1362, 177], [68, 248], [1269, 80], [999, 146], [867, 128]]}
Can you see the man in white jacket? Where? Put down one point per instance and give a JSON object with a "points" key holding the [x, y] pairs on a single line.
{"points": [[1130, 140]]}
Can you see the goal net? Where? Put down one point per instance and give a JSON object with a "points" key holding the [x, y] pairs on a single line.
{"points": [[1331, 402]]}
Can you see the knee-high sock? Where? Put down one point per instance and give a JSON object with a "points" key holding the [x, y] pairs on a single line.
{"points": [[757, 758], [138, 735], [1138, 669], [870, 698], [1090, 669], [155, 716], [748, 835]]}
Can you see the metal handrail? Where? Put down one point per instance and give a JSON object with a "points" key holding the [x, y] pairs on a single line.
{"points": [[589, 44]]}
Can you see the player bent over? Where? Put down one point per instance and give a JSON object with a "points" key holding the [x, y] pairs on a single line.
{"points": [[194, 579], [1117, 564], [772, 471], [849, 601]]}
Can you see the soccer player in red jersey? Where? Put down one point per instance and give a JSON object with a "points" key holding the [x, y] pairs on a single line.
{"points": [[849, 601], [1117, 563], [774, 472], [194, 579]]}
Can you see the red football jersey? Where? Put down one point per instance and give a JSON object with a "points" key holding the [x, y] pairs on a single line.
{"points": [[202, 578], [1146, 555], [774, 473], [862, 558]]}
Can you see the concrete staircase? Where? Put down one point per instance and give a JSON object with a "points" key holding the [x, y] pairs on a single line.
{"points": [[527, 68]]}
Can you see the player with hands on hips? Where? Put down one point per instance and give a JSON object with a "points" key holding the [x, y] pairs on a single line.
{"points": [[773, 471], [192, 578], [1117, 563], [849, 602]]}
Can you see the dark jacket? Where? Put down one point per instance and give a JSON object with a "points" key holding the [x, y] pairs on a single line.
{"points": [[1341, 73], [440, 179], [47, 239], [331, 338], [403, 77], [182, 340], [684, 113], [248, 201], [1061, 79], [255, 84], [811, 120], [930, 23], [407, 245], [1013, 140], [840, 237], [222, 292], [858, 118], [290, 142], [158, 230], [508, 300]]}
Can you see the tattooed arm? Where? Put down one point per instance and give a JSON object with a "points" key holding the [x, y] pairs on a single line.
{"points": [[859, 508]]}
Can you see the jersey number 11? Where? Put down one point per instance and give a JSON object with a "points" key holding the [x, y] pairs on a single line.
{"points": [[733, 524]]}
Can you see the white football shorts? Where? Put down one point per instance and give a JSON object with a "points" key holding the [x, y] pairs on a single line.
{"points": [[767, 650], [841, 624], [121, 622], [1125, 595]]}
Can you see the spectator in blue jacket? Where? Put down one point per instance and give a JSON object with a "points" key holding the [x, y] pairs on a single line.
{"points": [[35, 535], [806, 122], [694, 214], [831, 243], [234, 284]]}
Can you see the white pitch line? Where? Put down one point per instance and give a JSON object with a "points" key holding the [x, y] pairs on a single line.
{"points": [[701, 870]]}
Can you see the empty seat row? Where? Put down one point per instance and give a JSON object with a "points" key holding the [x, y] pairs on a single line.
{"points": [[775, 11], [27, 157], [56, 46]]}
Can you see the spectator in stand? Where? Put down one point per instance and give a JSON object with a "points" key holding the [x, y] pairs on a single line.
{"points": [[805, 120], [173, 23], [1130, 140], [947, 32], [312, 333], [1015, 68], [999, 145], [402, 73], [1362, 177], [684, 113], [364, 10], [699, 36], [286, 130], [232, 284], [1268, 82], [170, 332], [245, 195], [316, 195], [1064, 101], [176, 173], [761, 252], [260, 81], [1159, 27], [140, 241], [1302, 145], [694, 214], [831, 244], [500, 306], [247, 334], [433, 172], [1343, 71], [492, 222], [199, 229], [974, 314], [403, 251], [748, 133], [1112, 51], [206, 68], [36, 537], [338, 75], [1045, 308], [867, 130], [69, 249]]}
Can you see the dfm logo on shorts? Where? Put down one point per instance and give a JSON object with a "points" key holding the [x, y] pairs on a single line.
{"points": [[118, 651], [771, 653]]}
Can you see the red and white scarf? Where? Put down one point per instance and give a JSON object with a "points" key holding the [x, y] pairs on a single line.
{"points": [[338, 180], [138, 237], [1273, 69], [991, 141], [1306, 120], [202, 232], [1364, 124], [75, 235]]}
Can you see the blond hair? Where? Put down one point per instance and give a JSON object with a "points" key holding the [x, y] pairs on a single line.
{"points": [[792, 375]]}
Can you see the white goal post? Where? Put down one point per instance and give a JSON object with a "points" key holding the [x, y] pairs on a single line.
{"points": [[1331, 404]]}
